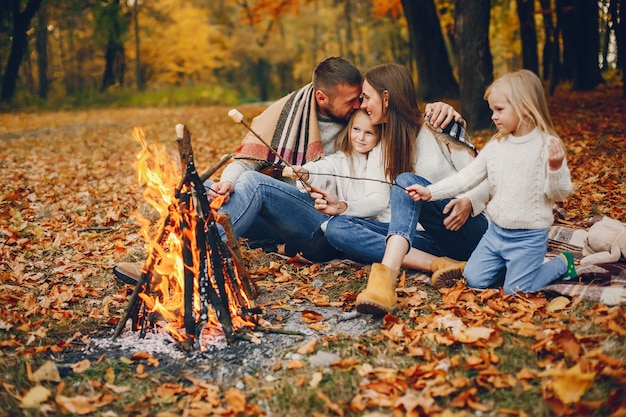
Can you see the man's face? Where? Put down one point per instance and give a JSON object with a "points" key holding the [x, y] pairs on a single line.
{"points": [[341, 104]]}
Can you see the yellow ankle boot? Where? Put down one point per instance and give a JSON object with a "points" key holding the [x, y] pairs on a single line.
{"points": [[446, 271], [379, 297]]}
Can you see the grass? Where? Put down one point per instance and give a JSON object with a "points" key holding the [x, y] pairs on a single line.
{"points": [[41, 259], [116, 97]]}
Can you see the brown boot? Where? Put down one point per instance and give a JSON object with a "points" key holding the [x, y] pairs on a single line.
{"points": [[446, 271], [128, 272], [379, 297]]}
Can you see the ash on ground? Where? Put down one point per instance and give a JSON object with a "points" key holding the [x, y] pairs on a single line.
{"points": [[252, 352]]}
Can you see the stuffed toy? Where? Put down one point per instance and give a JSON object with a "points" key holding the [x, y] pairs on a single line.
{"points": [[605, 242]]}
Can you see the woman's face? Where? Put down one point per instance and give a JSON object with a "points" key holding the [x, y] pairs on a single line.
{"points": [[372, 103]]}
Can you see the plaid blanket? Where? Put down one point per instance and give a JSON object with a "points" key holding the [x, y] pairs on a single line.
{"points": [[291, 126], [605, 283]]}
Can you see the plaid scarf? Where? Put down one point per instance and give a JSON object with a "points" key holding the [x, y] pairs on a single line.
{"points": [[291, 123], [454, 135]]}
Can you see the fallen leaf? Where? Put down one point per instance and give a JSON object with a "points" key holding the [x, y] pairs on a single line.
{"points": [[47, 372], [570, 385], [308, 347], [558, 303], [35, 397]]}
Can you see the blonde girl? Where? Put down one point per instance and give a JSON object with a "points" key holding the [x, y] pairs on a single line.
{"points": [[526, 169], [350, 181]]}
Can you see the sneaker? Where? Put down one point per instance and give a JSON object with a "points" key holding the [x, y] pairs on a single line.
{"points": [[268, 246], [128, 272], [570, 271]]}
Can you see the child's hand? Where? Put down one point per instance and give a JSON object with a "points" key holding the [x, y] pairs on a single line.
{"points": [[557, 153], [418, 192]]}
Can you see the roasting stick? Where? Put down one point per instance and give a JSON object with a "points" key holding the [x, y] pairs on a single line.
{"points": [[237, 117]]}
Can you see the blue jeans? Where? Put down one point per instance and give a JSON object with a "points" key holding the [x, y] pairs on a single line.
{"points": [[364, 240], [517, 255], [267, 208]]}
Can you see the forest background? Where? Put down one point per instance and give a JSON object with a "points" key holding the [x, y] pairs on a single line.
{"points": [[63, 54]]}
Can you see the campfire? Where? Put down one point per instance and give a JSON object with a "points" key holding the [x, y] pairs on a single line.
{"points": [[193, 282]]}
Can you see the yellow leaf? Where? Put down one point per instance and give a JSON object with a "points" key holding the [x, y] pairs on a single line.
{"points": [[78, 405], [35, 396], [559, 303], [47, 372], [472, 334], [308, 347], [570, 385], [236, 399], [315, 380], [109, 375], [81, 366], [295, 364]]}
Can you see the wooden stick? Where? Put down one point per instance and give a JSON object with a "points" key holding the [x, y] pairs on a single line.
{"points": [[238, 118], [205, 176]]}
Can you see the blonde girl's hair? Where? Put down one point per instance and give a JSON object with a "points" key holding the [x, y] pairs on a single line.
{"points": [[525, 92], [345, 143], [399, 133]]}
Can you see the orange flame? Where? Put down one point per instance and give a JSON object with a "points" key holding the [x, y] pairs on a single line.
{"points": [[161, 176]]}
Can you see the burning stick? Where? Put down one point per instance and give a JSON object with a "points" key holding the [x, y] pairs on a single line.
{"points": [[238, 118], [214, 274]]}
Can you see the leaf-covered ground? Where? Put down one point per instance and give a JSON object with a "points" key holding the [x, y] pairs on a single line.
{"points": [[69, 191]]}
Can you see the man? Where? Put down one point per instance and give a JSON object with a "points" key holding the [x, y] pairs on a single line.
{"points": [[302, 126]]}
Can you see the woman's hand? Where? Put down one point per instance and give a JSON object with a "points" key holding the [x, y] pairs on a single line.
{"points": [[440, 114], [460, 210], [327, 203], [418, 192]]}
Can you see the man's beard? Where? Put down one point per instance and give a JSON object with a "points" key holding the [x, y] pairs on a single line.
{"points": [[337, 119]]}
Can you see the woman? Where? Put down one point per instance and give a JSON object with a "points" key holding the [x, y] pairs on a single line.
{"points": [[450, 230]]}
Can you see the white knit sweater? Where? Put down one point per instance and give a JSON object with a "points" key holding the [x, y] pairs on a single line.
{"points": [[521, 184], [365, 198]]}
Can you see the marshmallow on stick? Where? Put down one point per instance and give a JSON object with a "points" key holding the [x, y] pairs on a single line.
{"points": [[237, 117]]}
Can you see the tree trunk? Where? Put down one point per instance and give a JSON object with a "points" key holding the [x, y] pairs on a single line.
{"points": [[138, 71], [21, 23], [112, 22], [348, 11], [548, 34], [114, 65], [41, 43], [471, 38], [528, 34], [567, 27], [615, 8], [586, 71], [262, 75], [435, 77]]}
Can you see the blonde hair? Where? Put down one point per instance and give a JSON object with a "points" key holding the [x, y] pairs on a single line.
{"points": [[344, 143], [524, 91]]}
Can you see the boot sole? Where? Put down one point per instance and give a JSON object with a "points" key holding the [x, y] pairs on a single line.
{"points": [[373, 309], [446, 278], [127, 279]]}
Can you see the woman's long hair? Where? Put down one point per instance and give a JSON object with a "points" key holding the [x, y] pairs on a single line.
{"points": [[399, 132], [524, 91]]}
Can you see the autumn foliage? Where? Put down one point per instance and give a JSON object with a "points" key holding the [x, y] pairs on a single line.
{"points": [[69, 198]]}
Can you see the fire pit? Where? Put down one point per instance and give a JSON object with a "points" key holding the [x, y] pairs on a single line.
{"points": [[192, 279]]}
